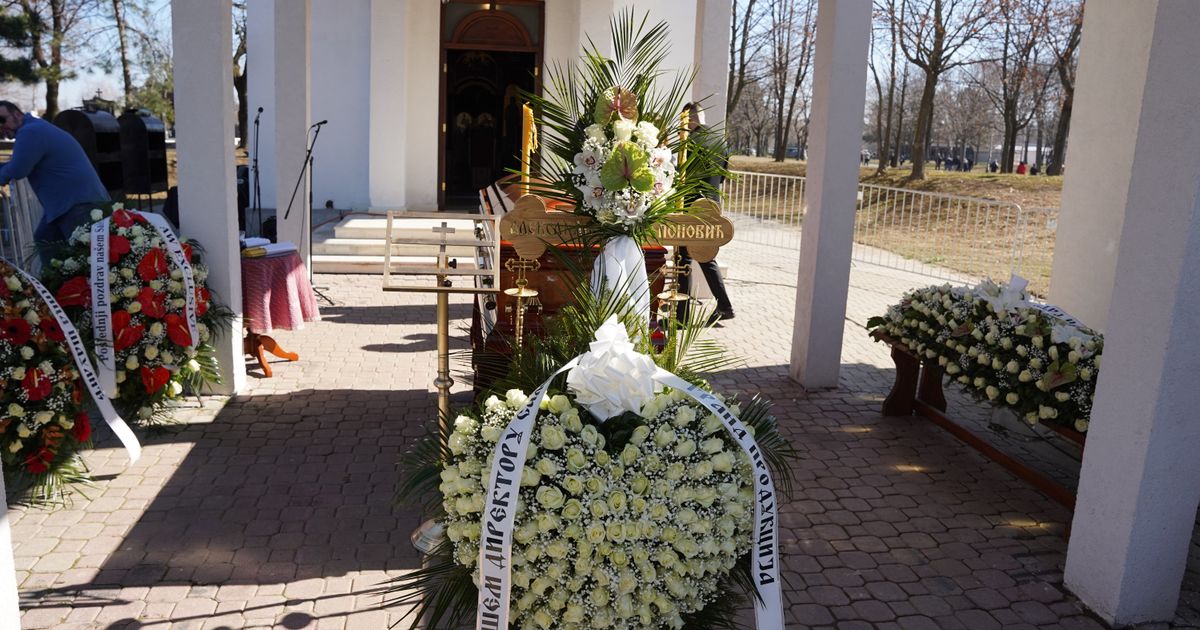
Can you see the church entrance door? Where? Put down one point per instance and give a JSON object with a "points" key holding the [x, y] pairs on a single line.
{"points": [[488, 57]]}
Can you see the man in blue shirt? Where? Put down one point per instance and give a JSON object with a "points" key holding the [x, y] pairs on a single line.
{"points": [[58, 170]]}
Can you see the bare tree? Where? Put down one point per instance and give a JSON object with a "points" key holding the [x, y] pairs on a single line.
{"points": [[1065, 34], [55, 29], [933, 38], [884, 26], [745, 42], [1015, 78], [240, 69]]}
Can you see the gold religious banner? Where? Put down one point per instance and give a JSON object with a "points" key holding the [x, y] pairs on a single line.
{"points": [[530, 227], [702, 230]]}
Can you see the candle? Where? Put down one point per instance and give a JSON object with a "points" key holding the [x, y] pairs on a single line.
{"points": [[684, 119], [528, 142]]}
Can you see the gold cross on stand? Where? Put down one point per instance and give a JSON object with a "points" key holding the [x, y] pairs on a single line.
{"points": [[526, 297], [671, 297]]}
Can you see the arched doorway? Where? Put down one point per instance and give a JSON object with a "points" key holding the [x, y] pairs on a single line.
{"points": [[488, 55]]}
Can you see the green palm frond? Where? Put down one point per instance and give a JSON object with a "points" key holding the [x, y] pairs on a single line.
{"points": [[442, 592]]}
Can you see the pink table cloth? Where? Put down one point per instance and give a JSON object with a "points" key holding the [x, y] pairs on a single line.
{"points": [[276, 294]]}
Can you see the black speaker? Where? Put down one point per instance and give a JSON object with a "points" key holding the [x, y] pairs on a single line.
{"points": [[268, 229]]}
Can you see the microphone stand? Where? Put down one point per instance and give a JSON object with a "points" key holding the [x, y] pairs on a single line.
{"points": [[256, 195], [306, 229]]}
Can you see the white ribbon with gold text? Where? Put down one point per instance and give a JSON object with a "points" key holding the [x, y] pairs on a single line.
{"points": [[499, 514], [84, 365]]}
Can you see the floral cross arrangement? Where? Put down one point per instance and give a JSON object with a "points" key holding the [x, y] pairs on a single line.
{"points": [[157, 358], [43, 424], [1002, 347], [614, 148]]}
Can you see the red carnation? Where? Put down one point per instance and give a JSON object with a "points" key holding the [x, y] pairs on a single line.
{"points": [[15, 330], [202, 297], [155, 378], [52, 330], [177, 330], [83, 427], [75, 292], [39, 462], [117, 246], [124, 218], [153, 304], [153, 265], [37, 385], [187, 251]]}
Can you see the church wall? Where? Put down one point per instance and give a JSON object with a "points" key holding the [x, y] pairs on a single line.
{"points": [[341, 76]]}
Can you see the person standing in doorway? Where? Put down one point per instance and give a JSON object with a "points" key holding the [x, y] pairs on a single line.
{"points": [[711, 270], [63, 179]]}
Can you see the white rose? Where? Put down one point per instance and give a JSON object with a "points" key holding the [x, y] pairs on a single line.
{"points": [[623, 130], [175, 388], [18, 373], [26, 353], [132, 362], [596, 133], [13, 283], [96, 214], [151, 352], [1012, 398], [516, 398]]}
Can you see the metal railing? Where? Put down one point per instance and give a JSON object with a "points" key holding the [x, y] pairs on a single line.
{"points": [[949, 237], [19, 213]]}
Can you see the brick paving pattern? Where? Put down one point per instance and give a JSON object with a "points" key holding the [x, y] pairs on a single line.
{"points": [[276, 509]]}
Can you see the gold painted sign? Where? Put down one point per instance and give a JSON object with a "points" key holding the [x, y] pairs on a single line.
{"points": [[530, 227], [702, 230]]}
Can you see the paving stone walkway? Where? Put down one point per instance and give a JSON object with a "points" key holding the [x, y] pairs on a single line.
{"points": [[276, 510]]}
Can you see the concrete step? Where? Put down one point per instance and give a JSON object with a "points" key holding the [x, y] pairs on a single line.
{"points": [[372, 228], [333, 263], [377, 247]]}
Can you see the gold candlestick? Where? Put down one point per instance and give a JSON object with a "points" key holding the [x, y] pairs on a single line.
{"points": [[525, 295], [528, 143]]}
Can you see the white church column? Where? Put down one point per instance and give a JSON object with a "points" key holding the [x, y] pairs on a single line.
{"points": [[1108, 101], [204, 115], [712, 58], [387, 110], [260, 91], [839, 94], [1139, 485], [292, 120]]}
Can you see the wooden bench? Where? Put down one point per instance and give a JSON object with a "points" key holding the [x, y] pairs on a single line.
{"points": [[917, 390]]}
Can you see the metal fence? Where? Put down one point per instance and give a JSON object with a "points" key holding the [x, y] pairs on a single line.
{"points": [[19, 213], [942, 236]]}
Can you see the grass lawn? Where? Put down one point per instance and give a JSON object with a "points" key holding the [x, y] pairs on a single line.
{"points": [[972, 238]]}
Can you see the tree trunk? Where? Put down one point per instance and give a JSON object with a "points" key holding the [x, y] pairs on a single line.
{"points": [[920, 148], [126, 76], [239, 86], [1057, 158], [1008, 147], [898, 145], [51, 99], [1038, 160]]}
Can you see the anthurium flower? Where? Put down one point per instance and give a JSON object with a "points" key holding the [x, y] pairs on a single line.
{"points": [[153, 304], [124, 218], [628, 166], [74, 292], [187, 251], [1059, 374], [155, 378], [202, 297], [177, 330], [126, 335], [15, 330], [39, 462], [83, 427], [152, 265], [615, 101], [117, 246], [36, 384]]}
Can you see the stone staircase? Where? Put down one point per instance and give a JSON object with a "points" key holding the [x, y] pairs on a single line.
{"points": [[357, 244]]}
